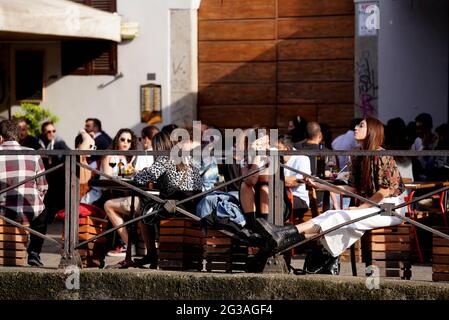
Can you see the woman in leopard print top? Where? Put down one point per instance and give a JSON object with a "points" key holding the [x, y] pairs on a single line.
{"points": [[178, 177], [171, 179]]}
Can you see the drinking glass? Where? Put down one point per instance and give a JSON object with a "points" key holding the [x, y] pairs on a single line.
{"points": [[112, 163], [331, 163]]}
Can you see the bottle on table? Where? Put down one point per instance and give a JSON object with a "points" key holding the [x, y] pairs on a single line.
{"points": [[320, 163], [121, 168]]}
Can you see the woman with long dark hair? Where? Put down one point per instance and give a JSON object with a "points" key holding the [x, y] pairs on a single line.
{"points": [[124, 140], [174, 179], [374, 177], [117, 208]]}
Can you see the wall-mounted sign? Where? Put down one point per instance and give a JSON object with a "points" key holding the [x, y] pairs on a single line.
{"points": [[368, 19], [150, 103]]}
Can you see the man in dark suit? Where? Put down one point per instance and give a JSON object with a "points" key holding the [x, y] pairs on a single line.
{"points": [[55, 197], [25, 139], [102, 139]]}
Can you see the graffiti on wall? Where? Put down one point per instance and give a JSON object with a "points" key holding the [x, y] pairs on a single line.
{"points": [[367, 86]]}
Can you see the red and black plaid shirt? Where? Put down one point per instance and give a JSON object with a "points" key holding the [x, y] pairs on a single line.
{"points": [[28, 198]]}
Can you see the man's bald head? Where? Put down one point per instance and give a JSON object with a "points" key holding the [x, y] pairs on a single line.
{"points": [[314, 131]]}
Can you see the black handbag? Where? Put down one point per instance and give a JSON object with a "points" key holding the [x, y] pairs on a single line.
{"points": [[150, 207], [150, 211]]}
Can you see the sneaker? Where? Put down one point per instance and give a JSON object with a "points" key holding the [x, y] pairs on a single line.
{"points": [[34, 259], [119, 251]]}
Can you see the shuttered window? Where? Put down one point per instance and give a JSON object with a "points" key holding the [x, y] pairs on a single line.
{"points": [[90, 57], [105, 5], [29, 76]]}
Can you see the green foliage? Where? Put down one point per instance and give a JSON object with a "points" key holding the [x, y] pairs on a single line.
{"points": [[35, 116]]}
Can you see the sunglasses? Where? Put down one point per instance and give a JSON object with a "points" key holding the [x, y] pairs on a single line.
{"points": [[50, 131], [125, 140]]}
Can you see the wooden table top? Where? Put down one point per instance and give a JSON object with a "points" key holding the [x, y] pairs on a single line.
{"points": [[415, 185], [111, 184]]}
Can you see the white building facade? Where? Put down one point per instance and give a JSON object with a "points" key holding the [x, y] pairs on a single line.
{"points": [[410, 65], [164, 51]]}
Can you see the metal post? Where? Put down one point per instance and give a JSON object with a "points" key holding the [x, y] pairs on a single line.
{"points": [[71, 219], [74, 205], [67, 255], [275, 264], [278, 193], [353, 261], [271, 189], [275, 192]]}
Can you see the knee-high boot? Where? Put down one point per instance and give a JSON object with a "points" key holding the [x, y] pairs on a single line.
{"points": [[250, 218], [279, 238]]}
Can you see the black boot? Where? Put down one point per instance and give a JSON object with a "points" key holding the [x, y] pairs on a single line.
{"points": [[256, 263], [251, 222], [150, 258], [319, 260], [279, 238]]}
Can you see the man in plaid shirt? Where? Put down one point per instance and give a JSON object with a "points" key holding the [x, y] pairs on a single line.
{"points": [[26, 202]]}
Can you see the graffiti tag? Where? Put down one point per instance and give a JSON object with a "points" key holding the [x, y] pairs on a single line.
{"points": [[367, 85]]}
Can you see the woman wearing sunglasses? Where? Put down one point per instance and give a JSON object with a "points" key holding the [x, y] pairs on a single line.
{"points": [[116, 208], [124, 140]]}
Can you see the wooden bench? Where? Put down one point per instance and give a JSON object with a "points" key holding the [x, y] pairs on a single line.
{"points": [[389, 249], [440, 257], [93, 253], [346, 256], [13, 245], [185, 245], [181, 245], [224, 254]]}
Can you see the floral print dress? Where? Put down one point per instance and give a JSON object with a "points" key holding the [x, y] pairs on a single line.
{"points": [[384, 174]]}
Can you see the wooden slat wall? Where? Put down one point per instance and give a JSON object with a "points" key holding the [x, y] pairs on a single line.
{"points": [[237, 63], [308, 8], [262, 62], [237, 9]]}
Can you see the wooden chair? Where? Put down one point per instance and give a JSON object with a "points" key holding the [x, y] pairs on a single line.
{"points": [[224, 254], [440, 257], [389, 249], [181, 244], [92, 254], [13, 245]]}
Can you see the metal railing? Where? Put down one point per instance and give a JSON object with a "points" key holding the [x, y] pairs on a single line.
{"points": [[72, 190]]}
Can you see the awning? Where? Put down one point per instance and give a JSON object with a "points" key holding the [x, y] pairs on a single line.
{"points": [[53, 19]]}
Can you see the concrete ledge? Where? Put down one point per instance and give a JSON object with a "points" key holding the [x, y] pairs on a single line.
{"points": [[19, 284]]}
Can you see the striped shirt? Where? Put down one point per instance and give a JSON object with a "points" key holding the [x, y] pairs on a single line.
{"points": [[28, 198]]}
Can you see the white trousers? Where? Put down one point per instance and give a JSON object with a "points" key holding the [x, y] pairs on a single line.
{"points": [[337, 241]]}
